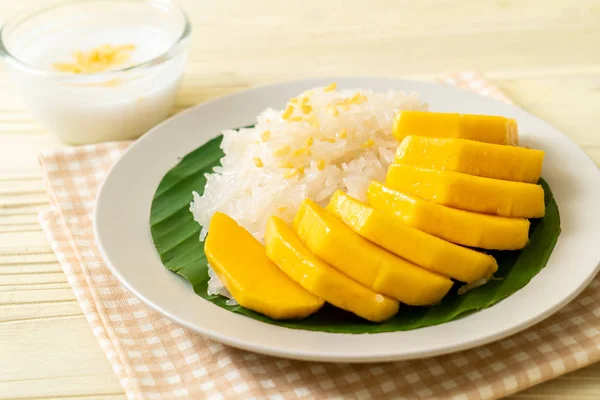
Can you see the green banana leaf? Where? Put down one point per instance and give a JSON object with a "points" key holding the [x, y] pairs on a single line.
{"points": [[176, 237]]}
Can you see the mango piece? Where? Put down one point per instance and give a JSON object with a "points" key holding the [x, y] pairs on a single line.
{"points": [[421, 248], [331, 240], [509, 163], [457, 226], [253, 280], [468, 192], [483, 128], [286, 250]]}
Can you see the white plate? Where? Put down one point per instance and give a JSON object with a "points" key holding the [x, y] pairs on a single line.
{"points": [[122, 230]]}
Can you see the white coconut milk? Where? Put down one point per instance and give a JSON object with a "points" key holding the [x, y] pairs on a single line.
{"points": [[98, 107]]}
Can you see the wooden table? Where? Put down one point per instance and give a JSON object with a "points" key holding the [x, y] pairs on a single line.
{"points": [[544, 54]]}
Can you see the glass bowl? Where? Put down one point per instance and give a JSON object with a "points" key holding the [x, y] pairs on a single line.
{"points": [[117, 104]]}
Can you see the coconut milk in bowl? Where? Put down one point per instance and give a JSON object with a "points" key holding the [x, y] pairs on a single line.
{"points": [[98, 70]]}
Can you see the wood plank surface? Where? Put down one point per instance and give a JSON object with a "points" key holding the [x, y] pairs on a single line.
{"points": [[543, 54]]}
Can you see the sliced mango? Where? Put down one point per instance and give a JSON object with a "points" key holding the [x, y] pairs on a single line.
{"points": [[483, 128], [286, 250], [509, 163], [330, 239], [423, 249], [253, 280], [468, 192], [457, 226]]}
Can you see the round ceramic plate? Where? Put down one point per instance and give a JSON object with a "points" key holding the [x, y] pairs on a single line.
{"points": [[122, 229]]}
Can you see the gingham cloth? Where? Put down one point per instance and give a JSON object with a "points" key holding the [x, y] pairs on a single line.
{"points": [[156, 359]]}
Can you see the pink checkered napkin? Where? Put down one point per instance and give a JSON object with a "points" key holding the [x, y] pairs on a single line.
{"points": [[156, 359]]}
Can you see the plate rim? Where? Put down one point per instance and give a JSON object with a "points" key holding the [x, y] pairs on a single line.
{"points": [[315, 356]]}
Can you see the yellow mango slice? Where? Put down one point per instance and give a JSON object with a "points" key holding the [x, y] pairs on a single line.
{"points": [[468, 192], [331, 240], [241, 263], [483, 128], [421, 248], [509, 163], [286, 250], [457, 226]]}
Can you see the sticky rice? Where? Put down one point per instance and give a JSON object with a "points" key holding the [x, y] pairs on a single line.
{"points": [[323, 140]]}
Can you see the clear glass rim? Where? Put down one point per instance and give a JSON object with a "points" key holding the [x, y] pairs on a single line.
{"points": [[165, 56]]}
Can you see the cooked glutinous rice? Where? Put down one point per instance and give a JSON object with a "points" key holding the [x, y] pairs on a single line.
{"points": [[323, 140]]}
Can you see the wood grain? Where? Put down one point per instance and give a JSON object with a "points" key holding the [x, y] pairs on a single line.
{"points": [[543, 54]]}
